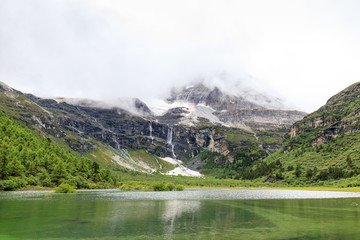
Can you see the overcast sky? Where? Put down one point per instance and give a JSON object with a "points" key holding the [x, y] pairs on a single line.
{"points": [[303, 51]]}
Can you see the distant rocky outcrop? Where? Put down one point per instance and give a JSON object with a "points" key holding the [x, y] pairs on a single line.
{"points": [[324, 146], [339, 116], [215, 98], [260, 118]]}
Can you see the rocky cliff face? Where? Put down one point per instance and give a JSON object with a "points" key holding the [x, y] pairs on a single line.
{"points": [[119, 129], [339, 116], [114, 127], [263, 119], [215, 98]]}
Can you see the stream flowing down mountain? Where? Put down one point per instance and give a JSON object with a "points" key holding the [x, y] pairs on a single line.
{"points": [[169, 141], [151, 130]]}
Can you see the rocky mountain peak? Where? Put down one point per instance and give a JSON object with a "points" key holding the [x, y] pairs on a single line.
{"points": [[194, 94], [211, 96], [242, 108]]}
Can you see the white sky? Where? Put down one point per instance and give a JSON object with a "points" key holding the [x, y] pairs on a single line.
{"points": [[303, 51]]}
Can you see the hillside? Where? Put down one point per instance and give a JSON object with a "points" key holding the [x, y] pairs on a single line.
{"points": [[27, 159], [324, 146]]}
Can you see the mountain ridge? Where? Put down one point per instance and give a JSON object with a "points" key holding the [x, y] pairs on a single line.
{"points": [[87, 128], [230, 110], [324, 146]]}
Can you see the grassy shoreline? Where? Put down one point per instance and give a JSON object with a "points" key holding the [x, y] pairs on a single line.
{"points": [[310, 188]]}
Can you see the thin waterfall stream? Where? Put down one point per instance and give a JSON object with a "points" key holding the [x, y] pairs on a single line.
{"points": [[169, 141]]}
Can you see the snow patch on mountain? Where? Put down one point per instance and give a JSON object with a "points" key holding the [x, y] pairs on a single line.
{"points": [[191, 112], [180, 169], [202, 111]]}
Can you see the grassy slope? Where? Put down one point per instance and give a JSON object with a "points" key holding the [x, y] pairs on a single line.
{"points": [[335, 162]]}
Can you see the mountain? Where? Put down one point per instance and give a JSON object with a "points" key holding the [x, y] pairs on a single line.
{"points": [[127, 134], [212, 97], [324, 146], [247, 110], [191, 136]]}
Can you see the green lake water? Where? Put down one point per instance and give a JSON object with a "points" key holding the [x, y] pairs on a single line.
{"points": [[192, 214]]}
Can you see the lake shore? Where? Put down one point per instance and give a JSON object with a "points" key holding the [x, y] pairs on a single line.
{"points": [[311, 188]]}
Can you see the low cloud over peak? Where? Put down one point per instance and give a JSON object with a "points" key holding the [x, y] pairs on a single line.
{"points": [[303, 51]]}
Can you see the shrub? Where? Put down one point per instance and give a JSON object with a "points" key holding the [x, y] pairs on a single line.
{"points": [[170, 186], [179, 188], [323, 175], [290, 168], [160, 187], [12, 184], [65, 188], [297, 171], [33, 181], [126, 187]]}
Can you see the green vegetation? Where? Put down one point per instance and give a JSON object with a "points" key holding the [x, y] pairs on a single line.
{"points": [[163, 187], [141, 181], [151, 160], [65, 188], [245, 149], [26, 159], [326, 147], [336, 162]]}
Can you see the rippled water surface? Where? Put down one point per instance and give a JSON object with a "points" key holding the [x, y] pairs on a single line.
{"points": [[192, 214]]}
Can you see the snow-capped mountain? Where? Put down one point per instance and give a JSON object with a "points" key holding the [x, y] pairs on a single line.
{"points": [[247, 109]]}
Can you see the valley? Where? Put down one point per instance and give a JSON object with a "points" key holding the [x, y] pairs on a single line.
{"points": [[206, 136]]}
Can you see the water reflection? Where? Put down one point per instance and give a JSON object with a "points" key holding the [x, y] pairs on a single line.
{"points": [[204, 215], [174, 209]]}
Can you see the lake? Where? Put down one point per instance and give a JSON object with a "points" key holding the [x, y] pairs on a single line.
{"points": [[191, 214]]}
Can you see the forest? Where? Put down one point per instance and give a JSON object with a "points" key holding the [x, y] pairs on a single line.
{"points": [[29, 159]]}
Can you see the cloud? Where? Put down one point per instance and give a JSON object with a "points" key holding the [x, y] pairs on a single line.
{"points": [[304, 51]]}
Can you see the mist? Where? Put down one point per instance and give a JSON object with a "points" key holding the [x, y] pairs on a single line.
{"points": [[300, 51]]}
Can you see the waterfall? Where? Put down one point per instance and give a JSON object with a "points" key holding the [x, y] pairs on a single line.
{"points": [[116, 142], [169, 141], [256, 136], [151, 136], [169, 136]]}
